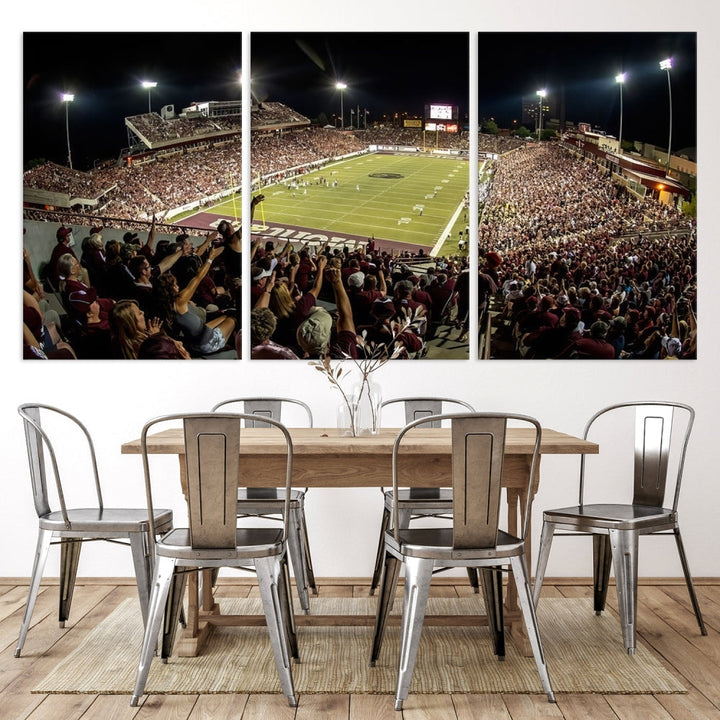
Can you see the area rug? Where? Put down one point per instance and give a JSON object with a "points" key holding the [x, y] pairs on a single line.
{"points": [[584, 654]]}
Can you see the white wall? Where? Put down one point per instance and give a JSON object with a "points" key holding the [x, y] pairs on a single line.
{"points": [[114, 399]]}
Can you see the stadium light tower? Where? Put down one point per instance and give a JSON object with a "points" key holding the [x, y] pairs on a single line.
{"points": [[67, 98], [541, 94], [149, 85], [341, 86], [666, 65], [620, 80]]}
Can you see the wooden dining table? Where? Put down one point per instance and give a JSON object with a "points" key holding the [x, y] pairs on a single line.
{"points": [[324, 458]]}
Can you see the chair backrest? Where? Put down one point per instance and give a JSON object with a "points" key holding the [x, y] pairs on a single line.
{"points": [[268, 407], [212, 465], [212, 462], [38, 442], [653, 432], [421, 407], [478, 450]]}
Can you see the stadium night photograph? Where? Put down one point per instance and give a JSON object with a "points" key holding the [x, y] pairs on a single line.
{"points": [[538, 205]]}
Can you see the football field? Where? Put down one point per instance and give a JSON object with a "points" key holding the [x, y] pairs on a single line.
{"points": [[401, 198]]}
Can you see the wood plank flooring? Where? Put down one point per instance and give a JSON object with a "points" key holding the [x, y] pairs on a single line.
{"points": [[665, 623]]}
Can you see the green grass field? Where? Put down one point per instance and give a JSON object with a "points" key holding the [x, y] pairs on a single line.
{"points": [[421, 206]]}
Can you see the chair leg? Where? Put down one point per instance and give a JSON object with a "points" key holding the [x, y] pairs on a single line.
{"points": [[41, 553], [602, 560], [309, 572], [385, 602], [418, 574], [69, 560], [285, 595], [546, 538], [295, 548], [268, 574], [525, 599], [624, 547], [472, 574], [688, 580], [380, 557], [174, 613], [142, 562], [492, 595], [164, 570]]}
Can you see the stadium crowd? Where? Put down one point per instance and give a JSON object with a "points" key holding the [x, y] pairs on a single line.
{"points": [[142, 190], [586, 264], [116, 295], [275, 152], [311, 302], [201, 173], [135, 299], [566, 250]]}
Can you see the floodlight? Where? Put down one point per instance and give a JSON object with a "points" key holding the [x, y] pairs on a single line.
{"points": [[666, 65], [620, 80], [67, 98], [541, 94], [341, 86], [149, 85]]}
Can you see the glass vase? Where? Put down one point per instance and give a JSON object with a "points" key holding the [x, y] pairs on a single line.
{"points": [[367, 399], [345, 420]]}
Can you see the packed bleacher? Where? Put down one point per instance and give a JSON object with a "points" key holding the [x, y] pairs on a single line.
{"points": [[201, 173], [60, 179], [275, 114], [141, 190], [140, 299], [311, 301], [588, 269], [156, 129]]}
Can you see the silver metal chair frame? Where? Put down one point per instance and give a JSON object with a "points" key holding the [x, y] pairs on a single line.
{"points": [[73, 526], [417, 502], [616, 528], [214, 540], [475, 540], [267, 502]]}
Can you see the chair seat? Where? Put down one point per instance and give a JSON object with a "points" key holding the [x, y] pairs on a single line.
{"points": [[611, 516], [251, 542], [271, 498], [437, 543], [421, 498], [107, 520]]}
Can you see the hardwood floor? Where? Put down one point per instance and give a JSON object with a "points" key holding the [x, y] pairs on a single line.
{"points": [[665, 623]]}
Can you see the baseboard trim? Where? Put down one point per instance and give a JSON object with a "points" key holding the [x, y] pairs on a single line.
{"points": [[345, 581]]}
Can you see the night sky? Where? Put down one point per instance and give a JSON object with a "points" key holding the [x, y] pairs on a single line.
{"points": [[584, 65], [105, 71], [385, 73]]}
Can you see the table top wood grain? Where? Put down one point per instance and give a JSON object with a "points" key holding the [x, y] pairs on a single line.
{"points": [[324, 441]]}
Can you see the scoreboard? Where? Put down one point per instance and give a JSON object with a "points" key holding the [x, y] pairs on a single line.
{"points": [[441, 117]]}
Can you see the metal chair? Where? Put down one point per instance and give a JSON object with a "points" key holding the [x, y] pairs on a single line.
{"points": [[475, 540], [268, 502], [418, 502], [214, 540], [74, 526], [616, 527]]}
